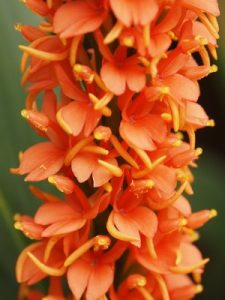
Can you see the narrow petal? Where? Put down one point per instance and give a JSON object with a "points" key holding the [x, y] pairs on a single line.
{"points": [[63, 227]]}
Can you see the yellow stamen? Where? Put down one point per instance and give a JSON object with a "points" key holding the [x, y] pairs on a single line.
{"points": [[146, 171], [98, 242], [128, 41], [104, 101], [105, 110], [46, 27], [100, 83], [213, 51], [198, 151], [183, 222], [76, 149], [175, 114], [123, 153], [18, 225], [49, 3], [116, 233], [192, 233], [73, 49], [213, 21], [25, 75], [171, 200], [96, 150], [202, 41], [177, 143], [145, 293], [144, 157], [164, 90], [79, 252], [191, 135], [213, 213], [146, 33], [211, 123], [204, 55], [178, 257], [50, 245], [151, 248], [209, 25], [199, 288], [166, 117], [114, 170], [46, 269], [189, 269], [213, 69], [145, 62], [197, 277], [173, 36], [107, 187], [114, 33], [153, 68], [44, 55], [26, 55], [18, 27], [162, 286]]}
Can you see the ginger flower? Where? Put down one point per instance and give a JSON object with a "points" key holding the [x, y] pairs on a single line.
{"points": [[113, 93]]}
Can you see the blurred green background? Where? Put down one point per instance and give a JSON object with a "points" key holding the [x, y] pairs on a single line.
{"points": [[16, 135]]}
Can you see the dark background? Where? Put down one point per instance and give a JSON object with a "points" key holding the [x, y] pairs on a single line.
{"points": [[15, 136]]}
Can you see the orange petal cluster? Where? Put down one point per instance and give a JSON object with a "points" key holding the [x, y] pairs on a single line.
{"points": [[112, 89]]}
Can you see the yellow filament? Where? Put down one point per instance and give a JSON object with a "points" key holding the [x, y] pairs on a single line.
{"points": [[204, 56], [189, 269], [209, 25], [178, 257], [213, 21], [146, 33], [96, 150], [25, 75], [18, 27], [172, 199], [104, 101], [199, 288], [213, 51], [162, 286], [114, 170], [192, 233], [175, 114], [46, 269], [100, 83], [123, 153], [46, 27], [50, 245], [44, 55], [114, 33], [197, 277], [116, 233], [107, 187], [153, 67], [151, 248], [198, 151], [73, 50], [166, 117], [26, 55], [146, 171], [144, 157], [79, 252], [76, 149], [191, 135], [105, 110], [49, 3], [145, 293]]}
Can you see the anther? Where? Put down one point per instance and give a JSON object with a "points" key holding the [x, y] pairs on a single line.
{"points": [[114, 170]]}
